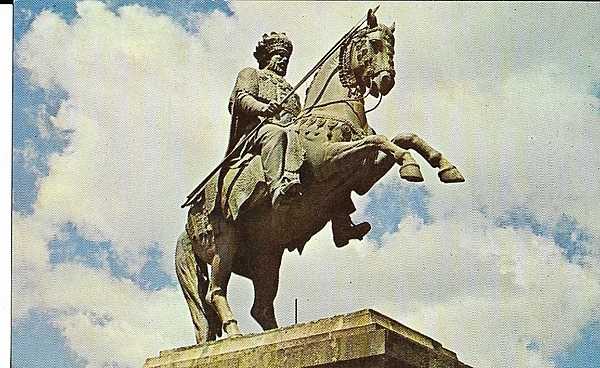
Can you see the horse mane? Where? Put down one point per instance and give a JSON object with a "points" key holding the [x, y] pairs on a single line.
{"points": [[334, 56], [312, 82]]}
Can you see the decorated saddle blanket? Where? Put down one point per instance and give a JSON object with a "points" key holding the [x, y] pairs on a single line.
{"points": [[226, 195], [242, 185]]}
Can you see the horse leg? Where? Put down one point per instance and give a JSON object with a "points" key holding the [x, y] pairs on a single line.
{"points": [[382, 164], [191, 273], [350, 152], [447, 173], [266, 283], [214, 325], [226, 246]]}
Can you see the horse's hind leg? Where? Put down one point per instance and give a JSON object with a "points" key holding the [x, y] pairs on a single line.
{"points": [[266, 282], [447, 173], [193, 283], [227, 243]]}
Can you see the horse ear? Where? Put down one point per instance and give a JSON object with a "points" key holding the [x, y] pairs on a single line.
{"points": [[371, 19], [393, 27]]}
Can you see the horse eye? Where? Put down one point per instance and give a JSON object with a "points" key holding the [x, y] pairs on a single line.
{"points": [[377, 44]]}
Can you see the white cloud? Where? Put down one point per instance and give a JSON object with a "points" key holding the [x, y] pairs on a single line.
{"points": [[503, 92], [138, 110], [30, 261], [80, 298], [108, 320], [460, 282]]}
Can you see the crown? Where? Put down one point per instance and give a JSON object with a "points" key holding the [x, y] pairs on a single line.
{"points": [[270, 44]]}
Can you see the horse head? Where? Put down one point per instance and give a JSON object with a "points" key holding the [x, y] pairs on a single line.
{"points": [[367, 59]]}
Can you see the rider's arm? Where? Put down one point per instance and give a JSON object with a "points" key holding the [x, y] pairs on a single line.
{"points": [[246, 88], [251, 105]]}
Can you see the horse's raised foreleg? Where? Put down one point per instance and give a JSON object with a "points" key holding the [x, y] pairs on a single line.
{"points": [[447, 173], [221, 265], [349, 153], [266, 283], [382, 164]]}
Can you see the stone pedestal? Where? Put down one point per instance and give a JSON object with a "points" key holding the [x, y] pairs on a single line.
{"points": [[363, 339]]}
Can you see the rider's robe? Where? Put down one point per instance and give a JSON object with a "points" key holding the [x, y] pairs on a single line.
{"points": [[263, 86]]}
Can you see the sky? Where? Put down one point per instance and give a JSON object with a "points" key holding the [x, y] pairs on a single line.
{"points": [[119, 110]]}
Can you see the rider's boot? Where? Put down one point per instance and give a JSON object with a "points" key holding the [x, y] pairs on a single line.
{"points": [[344, 230], [286, 192]]}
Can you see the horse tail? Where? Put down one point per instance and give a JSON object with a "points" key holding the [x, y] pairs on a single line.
{"points": [[193, 277]]}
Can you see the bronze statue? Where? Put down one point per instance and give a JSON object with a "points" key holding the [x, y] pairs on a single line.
{"points": [[295, 175], [255, 96]]}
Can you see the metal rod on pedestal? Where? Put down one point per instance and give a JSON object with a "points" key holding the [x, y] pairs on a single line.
{"points": [[296, 311]]}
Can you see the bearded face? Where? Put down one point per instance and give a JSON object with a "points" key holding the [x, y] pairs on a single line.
{"points": [[278, 63]]}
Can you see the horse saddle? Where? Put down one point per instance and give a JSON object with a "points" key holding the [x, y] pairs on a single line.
{"points": [[237, 187]]}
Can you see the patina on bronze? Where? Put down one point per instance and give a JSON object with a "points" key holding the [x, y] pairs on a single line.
{"points": [[234, 227], [232, 151]]}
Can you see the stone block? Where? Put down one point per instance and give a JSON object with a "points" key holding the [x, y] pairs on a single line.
{"points": [[365, 339]]}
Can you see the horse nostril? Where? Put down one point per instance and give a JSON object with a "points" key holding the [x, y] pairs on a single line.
{"points": [[387, 83]]}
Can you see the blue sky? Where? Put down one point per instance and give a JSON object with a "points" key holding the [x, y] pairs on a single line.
{"points": [[36, 139]]}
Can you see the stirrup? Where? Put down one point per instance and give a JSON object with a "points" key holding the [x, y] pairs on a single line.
{"points": [[286, 193]]}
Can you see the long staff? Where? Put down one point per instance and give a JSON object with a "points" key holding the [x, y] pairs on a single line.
{"points": [[232, 153]]}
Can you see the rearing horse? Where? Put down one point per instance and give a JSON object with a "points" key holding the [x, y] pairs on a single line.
{"points": [[343, 154]]}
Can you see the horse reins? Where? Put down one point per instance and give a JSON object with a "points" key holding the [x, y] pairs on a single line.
{"points": [[359, 98]]}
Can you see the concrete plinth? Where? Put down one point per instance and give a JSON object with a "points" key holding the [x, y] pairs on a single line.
{"points": [[365, 339]]}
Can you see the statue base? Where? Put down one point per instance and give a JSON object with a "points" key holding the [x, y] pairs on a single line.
{"points": [[361, 339]]}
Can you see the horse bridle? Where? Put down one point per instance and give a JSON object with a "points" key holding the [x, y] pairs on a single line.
{"points": [[356, 91], [347, 76]]}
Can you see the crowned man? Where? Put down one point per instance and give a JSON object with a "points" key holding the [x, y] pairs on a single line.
{"points": [[254, 98]]}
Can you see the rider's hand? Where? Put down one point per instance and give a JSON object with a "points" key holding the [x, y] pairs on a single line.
{"points": [[271, 109]]}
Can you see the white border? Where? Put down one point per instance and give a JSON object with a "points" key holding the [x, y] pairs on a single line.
{"points": [[6, 38]]}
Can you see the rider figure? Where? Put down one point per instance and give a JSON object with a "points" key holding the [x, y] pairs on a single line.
{"points": [[254, 97]]}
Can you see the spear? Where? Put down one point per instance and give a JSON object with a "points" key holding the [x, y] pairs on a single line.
{"points": [[232, 153]]}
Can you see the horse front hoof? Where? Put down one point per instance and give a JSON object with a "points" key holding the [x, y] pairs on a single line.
{"points": [[450, 175], [411, 172], [231, 329]]}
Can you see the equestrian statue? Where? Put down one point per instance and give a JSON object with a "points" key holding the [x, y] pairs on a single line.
{"points": [[289, 170]]}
